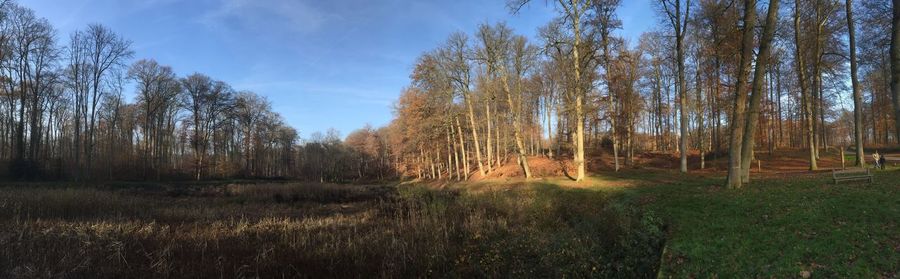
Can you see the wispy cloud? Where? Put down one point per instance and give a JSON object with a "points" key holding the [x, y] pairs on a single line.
{"points": [[297, 88], [296, 16]]}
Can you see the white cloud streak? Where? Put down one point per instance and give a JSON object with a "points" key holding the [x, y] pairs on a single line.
{"points": [[295, 16]]}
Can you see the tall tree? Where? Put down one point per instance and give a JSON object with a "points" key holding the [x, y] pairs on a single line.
{"points": [[522, 55], [857, 95], [805, 97], [759, 77], [456, 63], [31, 56], [79, 83], [895, 66], [574, 11], [678, 16], [740, 97], [574, 14], [198, 88], [606, 21], [106, 51], [158, 89]]}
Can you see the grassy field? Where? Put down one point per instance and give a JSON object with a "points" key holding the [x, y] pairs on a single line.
{"points": [[635, 223], [776, 227], [311, 230]]}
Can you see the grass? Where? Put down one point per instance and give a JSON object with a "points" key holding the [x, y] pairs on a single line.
{"points": [[611, 225], [312, 230], [778, 227]]}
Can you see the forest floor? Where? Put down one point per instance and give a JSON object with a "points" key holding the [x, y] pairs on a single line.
{"points": [[646, 220]]}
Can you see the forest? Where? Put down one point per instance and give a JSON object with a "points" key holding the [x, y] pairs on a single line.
{"points": [[699, 85], [504, 149], [65, 117]]}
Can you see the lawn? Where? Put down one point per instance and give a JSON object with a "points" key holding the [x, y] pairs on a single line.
{"points": [[776, 227]]}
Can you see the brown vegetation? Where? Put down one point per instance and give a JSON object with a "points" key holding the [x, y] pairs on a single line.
{"points": [[312, 230]]}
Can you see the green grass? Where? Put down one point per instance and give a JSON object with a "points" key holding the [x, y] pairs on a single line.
{"points": [[849, 159], [777, 227]]}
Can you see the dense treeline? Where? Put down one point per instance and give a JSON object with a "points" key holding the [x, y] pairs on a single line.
{"points": [[64, 115], [715, 78]]}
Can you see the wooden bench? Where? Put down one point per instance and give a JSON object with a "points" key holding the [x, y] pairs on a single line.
{"points": [[891, 159], [852, 174]]}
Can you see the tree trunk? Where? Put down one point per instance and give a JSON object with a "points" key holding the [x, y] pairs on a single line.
{"points": [[579, 96], [819, 108], [450, 150], [738, 114], [468, 101], [895, 67], [462, 145], [517, 128], [456, 148], [718, 112], [682, 93], [549, 128], [759, 76], [490, 147], [778, 99], [857, 96], [805, 96], [497, 150], [700, 112], [612, 104]]}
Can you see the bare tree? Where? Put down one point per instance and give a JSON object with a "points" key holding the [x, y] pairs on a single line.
{"points": [[197, 87], [104, 50], [456, 63], [805, 97], [895, 66], [857, 95], [29, 65], [575, 13], [606, 21], [507, 57], [738, 114], [517, 57], [158, 92], [759, 76], [678, 16]]}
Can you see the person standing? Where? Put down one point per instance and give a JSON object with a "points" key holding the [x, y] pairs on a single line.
{"points": [[877, 158], [882, 161]]}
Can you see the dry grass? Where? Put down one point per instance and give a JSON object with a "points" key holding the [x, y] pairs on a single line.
{"points": [[312, 230]]}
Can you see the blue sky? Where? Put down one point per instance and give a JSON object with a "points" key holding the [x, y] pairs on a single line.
{"points": [[322, 64]]}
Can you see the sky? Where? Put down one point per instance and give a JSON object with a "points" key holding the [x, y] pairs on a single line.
{"points": [[322, 63]]}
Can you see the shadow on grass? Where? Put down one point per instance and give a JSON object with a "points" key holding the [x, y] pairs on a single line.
{"points": [[776, 226]]}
